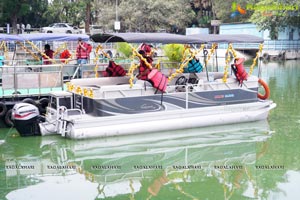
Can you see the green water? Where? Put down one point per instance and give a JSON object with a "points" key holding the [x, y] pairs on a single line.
{"points": [[246, 161]]}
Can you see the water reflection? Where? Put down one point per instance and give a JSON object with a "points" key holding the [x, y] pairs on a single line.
{"points": [[191, 164], [178, 164]]}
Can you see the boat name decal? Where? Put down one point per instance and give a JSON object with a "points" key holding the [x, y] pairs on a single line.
{"points": [[221, 96], [229, 95]]}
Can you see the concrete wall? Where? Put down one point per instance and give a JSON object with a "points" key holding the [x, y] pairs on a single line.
{"points": [[190, 31], [288, 33], [246, 28]]}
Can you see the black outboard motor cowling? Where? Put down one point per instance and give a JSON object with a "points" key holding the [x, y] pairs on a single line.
{"points": [[26, 119]]}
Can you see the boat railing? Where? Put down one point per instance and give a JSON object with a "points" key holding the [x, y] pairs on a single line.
{"points": [[29, 79], [239, 46], [38, 79], [69, 113]]}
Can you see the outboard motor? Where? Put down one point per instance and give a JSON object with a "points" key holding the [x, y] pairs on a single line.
{"points": [[26, 119]]}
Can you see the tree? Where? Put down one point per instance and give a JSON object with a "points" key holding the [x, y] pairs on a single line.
{"points": [[266, 18], [155, 15], [35, 15], [72, 12], [22, 11], [88, 15], [103, 14], [203, 11], [223, 10], [13, 10]]}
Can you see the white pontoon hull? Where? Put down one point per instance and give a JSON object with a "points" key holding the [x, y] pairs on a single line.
{"points": [[115, 108], [87, 127]]}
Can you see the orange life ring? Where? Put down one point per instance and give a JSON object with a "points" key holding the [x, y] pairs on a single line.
{"points": [[267, 90]]}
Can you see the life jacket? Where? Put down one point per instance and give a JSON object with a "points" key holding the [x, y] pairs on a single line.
{"points": [[114, 70], [143, 67], [146, 48], [240, 72], [64, 56], [89, 48], [83, 53], [158, 80], [194, 66]]}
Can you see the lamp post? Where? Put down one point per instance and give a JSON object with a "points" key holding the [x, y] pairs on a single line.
{"points": [[116, 10], [117, 22]]}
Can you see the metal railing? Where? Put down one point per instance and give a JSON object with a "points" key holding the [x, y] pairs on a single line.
{"points": [[281, 45], [268, 45]]}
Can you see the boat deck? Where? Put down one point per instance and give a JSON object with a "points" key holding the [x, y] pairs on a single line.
{"points": [[119, 87]]}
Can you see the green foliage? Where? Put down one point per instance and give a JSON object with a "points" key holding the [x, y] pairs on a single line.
{"points": [[223, 10], [174, 52], [124, 48], [35, 15], [65, 11], [275, 20], [104, 14], [22, 11], [205, 20], [146, 15], [154, 15]]}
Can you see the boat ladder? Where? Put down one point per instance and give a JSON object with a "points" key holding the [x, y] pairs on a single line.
{"points": [[61, 122], [64, 119]]}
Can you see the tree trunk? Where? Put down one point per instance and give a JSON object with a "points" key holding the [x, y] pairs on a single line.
{"points": [[14, 21], [88, 17]]}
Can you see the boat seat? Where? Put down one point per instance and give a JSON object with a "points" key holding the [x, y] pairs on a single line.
{"points": [[100, 81], [141, 88]]}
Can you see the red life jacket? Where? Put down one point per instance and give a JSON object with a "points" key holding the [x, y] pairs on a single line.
{"points": [[146, 48], [89, 48], [240, 74], [115, 70], [158, 80], [143, 67], [64, 55]]}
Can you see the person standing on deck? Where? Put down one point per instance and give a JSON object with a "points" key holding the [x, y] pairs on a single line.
{"points": [[49, 53], [82, 53]]}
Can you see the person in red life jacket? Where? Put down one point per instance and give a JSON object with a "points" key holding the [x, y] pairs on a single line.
{"points": [[145, 51], [49, 54], [83, 51], [239, 70]]}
